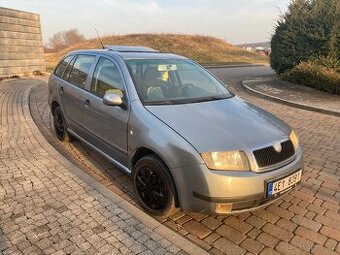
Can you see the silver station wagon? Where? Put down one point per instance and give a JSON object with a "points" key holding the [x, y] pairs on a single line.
{"points": [[184, 138]]}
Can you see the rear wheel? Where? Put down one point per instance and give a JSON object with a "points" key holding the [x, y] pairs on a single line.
{"points": [[154, 186], [60, 126]]}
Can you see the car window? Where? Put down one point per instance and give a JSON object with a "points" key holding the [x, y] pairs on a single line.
{"points": [[197, 78], [62, 66], [174, 81], [106, 78], [81, 69], [68, 69]]}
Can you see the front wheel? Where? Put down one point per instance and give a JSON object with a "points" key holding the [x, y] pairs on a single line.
{"points": [[154, 186], [60, 126]]}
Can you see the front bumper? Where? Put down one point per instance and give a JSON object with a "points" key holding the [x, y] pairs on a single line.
{"points": [[201, 189]]}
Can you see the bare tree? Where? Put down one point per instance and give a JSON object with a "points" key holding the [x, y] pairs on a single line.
{"points": [[65, 39], [73, 36], [56, 42]]}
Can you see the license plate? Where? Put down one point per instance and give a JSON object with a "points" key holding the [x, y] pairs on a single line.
{"points": [[283, 184]]}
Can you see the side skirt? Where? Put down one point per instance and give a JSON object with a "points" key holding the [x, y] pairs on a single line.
{"points": [[115, 162]]}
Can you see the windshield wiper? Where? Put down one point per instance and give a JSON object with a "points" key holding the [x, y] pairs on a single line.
{"points": [[187, 100], [163, 102], [211, 98]]}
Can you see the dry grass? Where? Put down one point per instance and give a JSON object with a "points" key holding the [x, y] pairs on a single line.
{"points": [[203, 49]]}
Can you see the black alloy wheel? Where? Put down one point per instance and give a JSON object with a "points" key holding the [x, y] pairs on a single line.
{"points": [[60, 126], [154, 186]]}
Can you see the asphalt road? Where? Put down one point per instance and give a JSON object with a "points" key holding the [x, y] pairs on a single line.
{"points": [[238, 74], [305, 221]]}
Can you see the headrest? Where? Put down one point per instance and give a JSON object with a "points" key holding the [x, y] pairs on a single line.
{"points": [[152, 73]]}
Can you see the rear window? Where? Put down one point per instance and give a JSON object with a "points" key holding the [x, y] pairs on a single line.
{"points": [[80, 70], [62, 66]]}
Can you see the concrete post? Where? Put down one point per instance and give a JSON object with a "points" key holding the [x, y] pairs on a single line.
{"points": [[21, 44]]}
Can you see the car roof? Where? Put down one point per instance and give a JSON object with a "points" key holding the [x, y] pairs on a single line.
{"points": [[131, 52]]}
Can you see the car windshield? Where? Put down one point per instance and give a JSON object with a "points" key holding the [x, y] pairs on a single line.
{"points": [[179, 81]]}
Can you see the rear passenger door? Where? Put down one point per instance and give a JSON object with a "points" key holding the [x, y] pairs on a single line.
{"points": [[72, 91], [107, 124]]}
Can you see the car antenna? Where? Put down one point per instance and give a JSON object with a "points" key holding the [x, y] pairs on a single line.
{"points": [[100, 40]]}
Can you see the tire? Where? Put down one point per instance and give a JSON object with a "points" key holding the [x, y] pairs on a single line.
{"points": [[60, 126], [154, 186]]}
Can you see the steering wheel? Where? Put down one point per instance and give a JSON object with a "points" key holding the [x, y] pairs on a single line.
{"points": [[184, 88], [187, 85]]}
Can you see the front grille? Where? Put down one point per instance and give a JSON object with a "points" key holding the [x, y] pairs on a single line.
{"points": [[268, 156]]}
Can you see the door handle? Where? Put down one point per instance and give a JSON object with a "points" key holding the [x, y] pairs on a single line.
{"points": [[61, 90], [87, 103]]}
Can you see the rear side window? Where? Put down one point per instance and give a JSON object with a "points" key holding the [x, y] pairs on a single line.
{"points": [[68, 69], [106, 78], [62, 66], [81, 69]]}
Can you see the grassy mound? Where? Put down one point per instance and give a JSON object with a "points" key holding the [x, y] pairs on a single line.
{"points": [[203, 49]]}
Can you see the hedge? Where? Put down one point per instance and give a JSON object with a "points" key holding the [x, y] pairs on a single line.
{"points": [[308, 28], [315, 75]]}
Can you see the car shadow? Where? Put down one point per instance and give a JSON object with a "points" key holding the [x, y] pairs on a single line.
{"points": [[78, 153], [3, 244]]}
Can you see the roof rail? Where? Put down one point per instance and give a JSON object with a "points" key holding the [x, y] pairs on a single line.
{"points": [[121, 48]]}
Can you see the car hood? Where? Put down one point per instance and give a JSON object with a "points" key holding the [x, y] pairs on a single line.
{"points": [[221, 125]]}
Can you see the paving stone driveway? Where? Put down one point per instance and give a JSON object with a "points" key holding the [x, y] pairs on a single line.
{"points": [[298, 94], [306, 221], [44, 208]]}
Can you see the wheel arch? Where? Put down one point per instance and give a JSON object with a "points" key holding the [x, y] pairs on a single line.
{"points": [[142, 152]]}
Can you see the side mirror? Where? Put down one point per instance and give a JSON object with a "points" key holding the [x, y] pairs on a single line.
{"points": [[112, 99]]}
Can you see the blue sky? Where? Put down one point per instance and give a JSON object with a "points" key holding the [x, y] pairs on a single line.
{"points": [[237, 21]]}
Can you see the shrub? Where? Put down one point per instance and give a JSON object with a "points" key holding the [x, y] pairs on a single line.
{"points": [[37, 73], [322, 74], [309, 28], [329, 61]]}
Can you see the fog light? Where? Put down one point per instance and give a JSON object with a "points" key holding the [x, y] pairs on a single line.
{"points": [[223, 208]]}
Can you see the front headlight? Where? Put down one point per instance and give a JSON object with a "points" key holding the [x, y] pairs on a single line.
{"points": [[295, 140], [227, 160]]}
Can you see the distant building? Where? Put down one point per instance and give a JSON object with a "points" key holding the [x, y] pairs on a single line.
{"points": [[261, 47], [248, 48], [21, 45]]}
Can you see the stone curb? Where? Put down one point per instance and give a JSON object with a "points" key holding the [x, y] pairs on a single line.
{"points": [[246, 85], [180, 241]]}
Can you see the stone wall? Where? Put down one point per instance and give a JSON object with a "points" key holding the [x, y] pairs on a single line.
{"points": [[21, 45]]}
